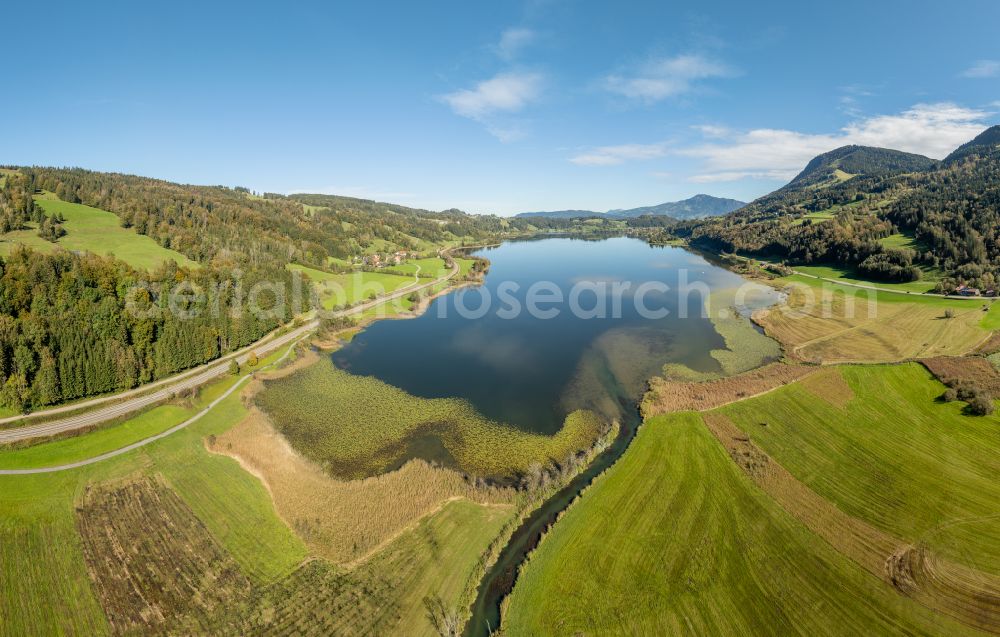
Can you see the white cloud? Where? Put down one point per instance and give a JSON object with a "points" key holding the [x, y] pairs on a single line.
{"points": [[711, 130], [928, 129], [983, 69], [506, 92], [612, 155], [933, 130], [665, 77], [512, 41]]}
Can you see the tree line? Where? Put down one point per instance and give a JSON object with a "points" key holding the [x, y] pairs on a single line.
{"points": [[78, 325]]}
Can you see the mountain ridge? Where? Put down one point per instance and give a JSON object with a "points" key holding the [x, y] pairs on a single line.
{"points": [[697, 207], [853, 160]]}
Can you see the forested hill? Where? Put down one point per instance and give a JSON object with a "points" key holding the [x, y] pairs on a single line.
{"points": [[847, 161], [68, 321], [208, 222], [984, 144], [948, 213]]}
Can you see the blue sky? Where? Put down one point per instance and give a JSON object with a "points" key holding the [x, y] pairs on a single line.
{"points": [[492, 107]]}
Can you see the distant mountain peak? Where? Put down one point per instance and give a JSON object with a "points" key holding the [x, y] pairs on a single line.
{"points": [[696, 207]]}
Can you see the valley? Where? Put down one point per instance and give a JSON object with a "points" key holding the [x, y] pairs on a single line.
{"points": [[232, 412]]}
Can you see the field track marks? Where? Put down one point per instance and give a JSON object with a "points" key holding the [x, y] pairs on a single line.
{"points": [[153, 564], [969, 596]]}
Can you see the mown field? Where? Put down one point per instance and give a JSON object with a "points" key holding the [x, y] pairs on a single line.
{"points": [[176, 538], [355, 427], [158, 569], [876, 442], [831, 323], [676, 539], [93, 230], [41, 552]]}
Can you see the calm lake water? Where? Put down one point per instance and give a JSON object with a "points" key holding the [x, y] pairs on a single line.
{"points": [[529, 370]]}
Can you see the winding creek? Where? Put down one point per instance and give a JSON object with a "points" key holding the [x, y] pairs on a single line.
{"points": [[595, 349]]}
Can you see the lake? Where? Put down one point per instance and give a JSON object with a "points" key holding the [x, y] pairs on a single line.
{"points": [[523, 357]]}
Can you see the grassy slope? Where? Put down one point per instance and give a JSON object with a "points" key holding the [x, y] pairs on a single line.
{"points": [[93, 230], [883, 296], [337, 289], [925, 284], [675, 539], [39, 547], [894, 457]]}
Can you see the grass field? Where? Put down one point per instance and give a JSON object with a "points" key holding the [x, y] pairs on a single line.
{"points": [[926, 283], [357, 426], [41, 555], [830, 323], [431, 267], [98, 231], [675, 539], [890, 455], [158, 569], [341, 289], [183, 535], [464, 266], [900, 240], [385, 596]]}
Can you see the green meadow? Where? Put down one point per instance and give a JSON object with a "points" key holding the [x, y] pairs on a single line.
{"points": [[675, 539], [893, 456], [93, 230], [41, 557], [926, 283], [340, 289], [883, 296], [42, 553]]}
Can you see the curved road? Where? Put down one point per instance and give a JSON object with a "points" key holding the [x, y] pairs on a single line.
{"points": [[129, 402]]}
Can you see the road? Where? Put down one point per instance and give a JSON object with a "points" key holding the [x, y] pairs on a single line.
{"points": [[140, 398], [151, 439]]}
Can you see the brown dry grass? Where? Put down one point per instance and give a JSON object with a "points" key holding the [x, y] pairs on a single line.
{"points": [[667, 396], [154, 565], [971, 596], [971, 370], [991, 345], [831, 328], [829, 385], [346, 521]]}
